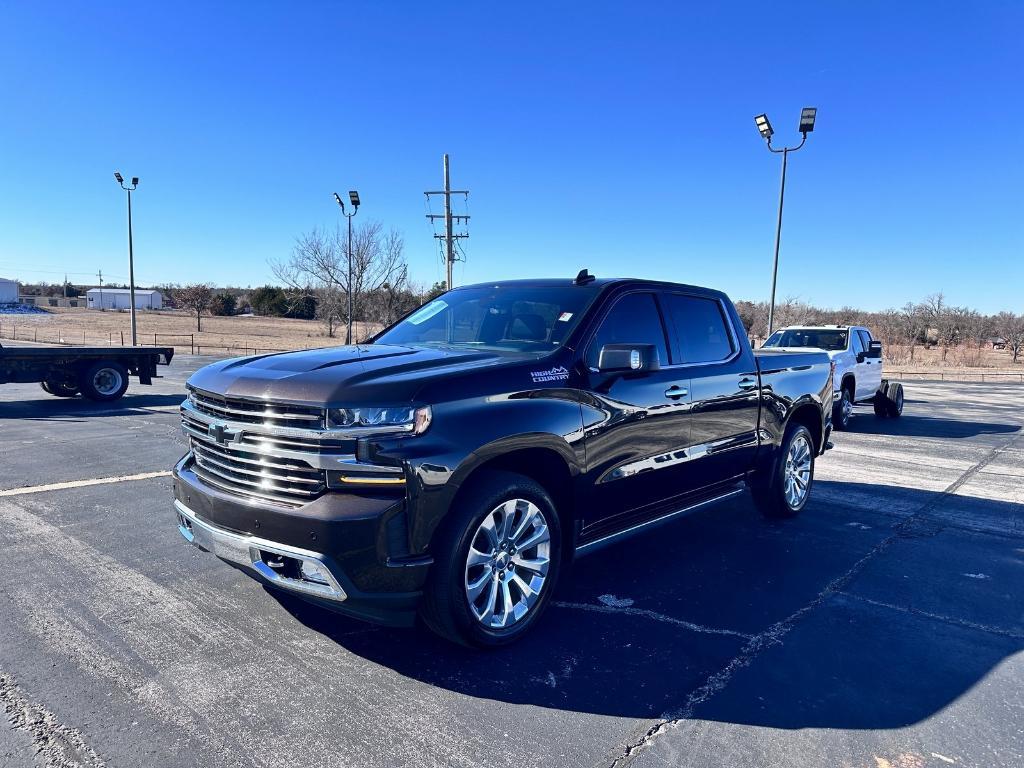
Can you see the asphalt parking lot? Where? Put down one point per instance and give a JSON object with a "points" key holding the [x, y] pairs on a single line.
{"points": [[882, 628]]}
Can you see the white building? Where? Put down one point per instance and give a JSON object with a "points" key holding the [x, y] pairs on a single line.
{"points": [[8, 291], [120, 298]]}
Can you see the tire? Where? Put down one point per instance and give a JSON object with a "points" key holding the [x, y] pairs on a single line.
{"points": [[449, 606], [881, 400], [59, 388], [104, 381], [773, 497], [842, 412], [894, 400]]}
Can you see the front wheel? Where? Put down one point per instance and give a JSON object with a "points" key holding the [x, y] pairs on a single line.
{"points": [[843, 410], [496, 562], [786, 492], [104, 382]]}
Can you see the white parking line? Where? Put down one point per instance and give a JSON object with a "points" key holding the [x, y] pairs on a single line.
{"points": [[82, 483]]}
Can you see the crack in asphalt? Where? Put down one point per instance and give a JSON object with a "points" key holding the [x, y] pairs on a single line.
{"points": [[57, 744], [654, 616], [966, 624], [773, 635]]}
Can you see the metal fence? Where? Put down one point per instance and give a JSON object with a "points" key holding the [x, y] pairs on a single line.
{"points": [[956, 375], [180, 341]]}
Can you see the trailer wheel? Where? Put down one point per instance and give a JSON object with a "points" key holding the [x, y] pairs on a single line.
{"points": [[59, 388], [105, 381]]}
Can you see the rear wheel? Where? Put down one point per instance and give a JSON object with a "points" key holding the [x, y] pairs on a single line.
{"points": [[59, 388], [787, 491], [496, 562], [880, 402], [894, 399], [105, 381]]}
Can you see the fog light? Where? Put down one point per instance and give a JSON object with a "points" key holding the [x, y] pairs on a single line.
{"points": [[315, 571]]}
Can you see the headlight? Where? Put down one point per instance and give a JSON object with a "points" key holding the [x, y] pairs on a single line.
{"points": [[413, 420]]}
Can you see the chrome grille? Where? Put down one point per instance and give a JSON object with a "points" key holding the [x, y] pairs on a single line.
{"points": [[256, 412], [268, 442], [234, 469]]}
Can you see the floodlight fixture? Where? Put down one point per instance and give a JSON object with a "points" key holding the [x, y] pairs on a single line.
{"points": [[135, 181], [118, 177], [807, 115], [337, 199], [765, 127], [353, 197]]}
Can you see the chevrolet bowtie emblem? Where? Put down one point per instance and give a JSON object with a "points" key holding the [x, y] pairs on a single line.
{"points": [[221, 434]]}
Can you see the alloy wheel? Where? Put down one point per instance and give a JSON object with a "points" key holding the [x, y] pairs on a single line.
{"points": [[797, 477], [507, 564]]}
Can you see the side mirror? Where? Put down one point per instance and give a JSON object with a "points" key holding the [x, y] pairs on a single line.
{"points": [[875, 349], [628, 358]]}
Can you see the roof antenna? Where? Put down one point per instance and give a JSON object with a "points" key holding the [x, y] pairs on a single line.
{"points": [[584, 277]]}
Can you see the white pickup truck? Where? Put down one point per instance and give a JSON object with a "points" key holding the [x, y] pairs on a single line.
{"points": [[858, 367]]}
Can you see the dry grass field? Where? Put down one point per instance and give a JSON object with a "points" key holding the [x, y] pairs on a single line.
{"points": [[171, 328]]}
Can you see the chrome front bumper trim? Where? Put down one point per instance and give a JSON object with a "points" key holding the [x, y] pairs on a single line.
{"points": [[248, 551]]}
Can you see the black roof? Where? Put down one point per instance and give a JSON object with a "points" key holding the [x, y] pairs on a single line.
{"points": [[596, 283]]}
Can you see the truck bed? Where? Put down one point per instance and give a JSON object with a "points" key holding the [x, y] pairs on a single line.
{"points": [[45, 354]]}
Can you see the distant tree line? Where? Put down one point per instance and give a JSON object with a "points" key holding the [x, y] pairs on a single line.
{"points": [[931, 322]]}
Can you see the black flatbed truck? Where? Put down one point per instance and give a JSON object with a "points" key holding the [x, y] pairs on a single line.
{"points": [[97, 373]]}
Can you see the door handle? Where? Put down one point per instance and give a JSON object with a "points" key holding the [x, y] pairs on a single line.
{"points": [[748, 384], [675, 392]]}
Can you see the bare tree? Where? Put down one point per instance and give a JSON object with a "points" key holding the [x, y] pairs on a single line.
{"points": [[1011, 328], [195, 298], [319, 267]]}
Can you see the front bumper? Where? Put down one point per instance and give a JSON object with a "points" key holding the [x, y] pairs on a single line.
{"points": [[257, 554], [356, 538]]}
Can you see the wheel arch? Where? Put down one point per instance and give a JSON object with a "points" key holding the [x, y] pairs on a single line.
{"points": [[849, 381], [546, 460], [809, 414]]}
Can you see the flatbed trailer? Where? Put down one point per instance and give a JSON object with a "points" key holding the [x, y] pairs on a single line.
{"points": [[97, 373]]}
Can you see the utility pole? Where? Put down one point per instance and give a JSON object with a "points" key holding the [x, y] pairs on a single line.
{"points": [[449, 236], [100, 276]]}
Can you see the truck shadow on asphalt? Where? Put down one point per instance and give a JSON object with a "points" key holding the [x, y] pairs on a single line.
{"points": [[65, 408], [866, 423], [846, 617]]}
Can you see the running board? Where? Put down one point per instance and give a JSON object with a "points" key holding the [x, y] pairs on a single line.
{"points": [[611, 538]]}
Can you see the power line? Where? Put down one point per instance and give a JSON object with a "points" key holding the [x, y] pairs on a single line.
{"points": [[450, 237]]}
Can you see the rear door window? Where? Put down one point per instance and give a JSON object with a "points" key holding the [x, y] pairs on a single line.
{"points": [[634, 319], [701, 329]]}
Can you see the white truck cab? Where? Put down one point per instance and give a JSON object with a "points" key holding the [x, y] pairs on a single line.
{"points": [[858, 367]]}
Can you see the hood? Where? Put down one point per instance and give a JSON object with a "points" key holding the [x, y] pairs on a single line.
{"points": [[378, 374], [830, 353]]}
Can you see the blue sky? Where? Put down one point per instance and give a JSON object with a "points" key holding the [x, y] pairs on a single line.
{"points": [[616, 136]]}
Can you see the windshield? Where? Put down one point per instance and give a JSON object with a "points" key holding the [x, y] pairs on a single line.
{"points": [[830, 340], [517, 318]]}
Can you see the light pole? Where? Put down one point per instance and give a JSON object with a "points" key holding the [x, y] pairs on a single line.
{"points": [[129, 188], [353, 198], [807, 115]]}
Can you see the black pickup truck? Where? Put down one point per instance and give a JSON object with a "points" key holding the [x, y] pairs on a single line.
{"points": [[98, 373], [455, 464]]}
